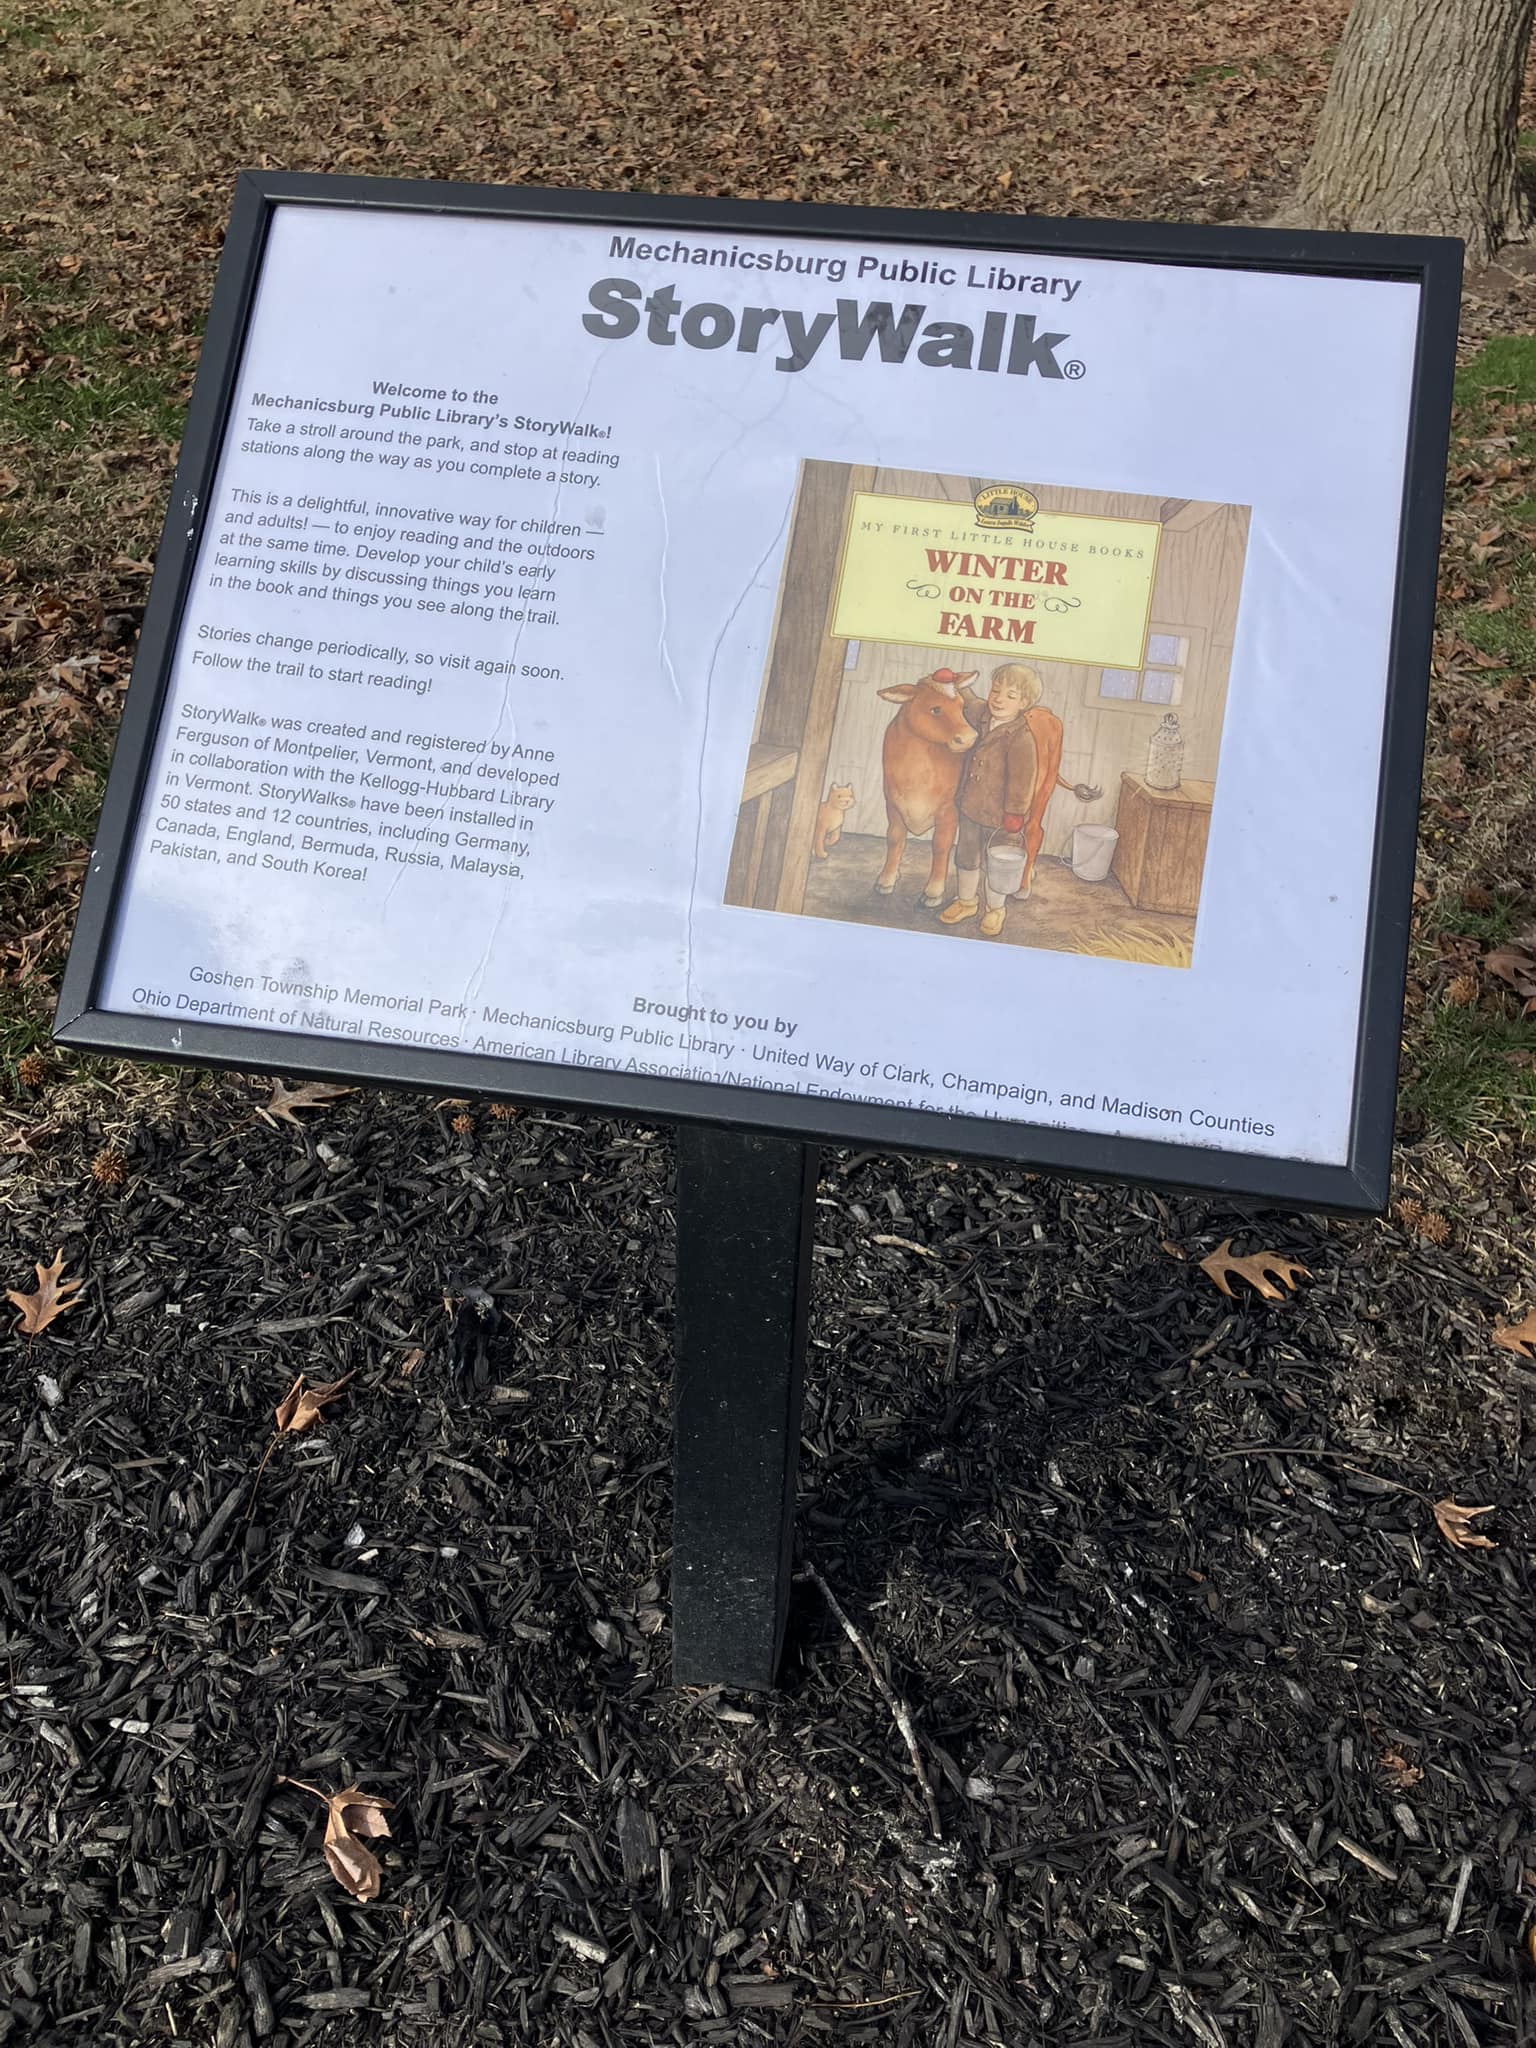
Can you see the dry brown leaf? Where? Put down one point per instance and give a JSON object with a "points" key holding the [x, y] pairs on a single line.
{"points": [[53, 1295], [28, 1139], [1399, 1769], [350, 1817], [1455, 1525], [311, 1095], [301, 1406], [1174, 1251], [409, 1363], [1510, 964], [1497, 600], [1518, 1337], [1259, 1269]]}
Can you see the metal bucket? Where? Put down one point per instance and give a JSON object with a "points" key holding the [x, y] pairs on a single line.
{"points": [[1093, 852], [1005, 869]]}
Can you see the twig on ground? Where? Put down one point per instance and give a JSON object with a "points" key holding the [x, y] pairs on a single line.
{"points": [[899, 1713]]}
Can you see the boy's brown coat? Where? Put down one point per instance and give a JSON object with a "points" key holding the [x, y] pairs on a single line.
{"points": [[1000, 771]]}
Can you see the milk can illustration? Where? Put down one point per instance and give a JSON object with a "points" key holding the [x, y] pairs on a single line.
{"points": [[1165, 755]]}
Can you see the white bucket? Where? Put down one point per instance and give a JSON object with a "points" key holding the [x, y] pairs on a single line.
{"points": [[1093, 852], [1005, 869]]}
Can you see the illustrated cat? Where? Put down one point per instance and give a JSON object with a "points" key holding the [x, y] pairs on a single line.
{"points": [[829, 819]]}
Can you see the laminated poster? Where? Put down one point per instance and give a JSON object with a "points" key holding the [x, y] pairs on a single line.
{"points": [[878, 672]]}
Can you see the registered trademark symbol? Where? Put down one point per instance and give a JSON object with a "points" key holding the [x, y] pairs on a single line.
{"points": [[1076, 368]]}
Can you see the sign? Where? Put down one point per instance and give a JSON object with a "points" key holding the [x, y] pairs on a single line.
{"points": [[1060, 586], [930, 681]]}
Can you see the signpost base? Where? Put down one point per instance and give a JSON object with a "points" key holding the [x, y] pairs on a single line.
{"points": [[745, 1207]]}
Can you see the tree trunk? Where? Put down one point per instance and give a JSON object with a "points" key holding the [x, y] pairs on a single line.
{"points": [[1417, 134]]}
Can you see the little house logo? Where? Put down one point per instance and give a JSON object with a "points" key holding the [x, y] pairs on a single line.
{"points": [[1006, 505]]}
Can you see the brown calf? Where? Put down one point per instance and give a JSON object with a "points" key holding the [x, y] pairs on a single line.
{"points": [[922, 755]]}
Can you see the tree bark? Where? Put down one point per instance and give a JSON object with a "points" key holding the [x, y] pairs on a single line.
{"points": [[1418, 130]]}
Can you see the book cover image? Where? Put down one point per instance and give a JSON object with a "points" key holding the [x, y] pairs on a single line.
{"points": [[992, 711]]}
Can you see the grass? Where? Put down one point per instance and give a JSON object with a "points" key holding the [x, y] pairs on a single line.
{"points": [[1501, 379], [61, 820], [90, 390], [1464, 1076], [1493, 927], [24, 1020], [87, 374], [1506, 366], [88, 429], [1467, 1073], [34, 31]]}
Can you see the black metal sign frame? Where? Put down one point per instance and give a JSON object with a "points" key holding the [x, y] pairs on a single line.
{"points": [[1359, 1185]]}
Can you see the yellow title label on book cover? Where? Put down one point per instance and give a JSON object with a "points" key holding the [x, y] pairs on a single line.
{"points": [[925, 573]]}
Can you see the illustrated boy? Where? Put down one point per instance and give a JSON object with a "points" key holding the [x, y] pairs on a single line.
{"points": [[1008, 779]]}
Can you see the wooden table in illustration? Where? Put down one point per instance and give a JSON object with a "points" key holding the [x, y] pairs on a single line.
{"points": [[1161, 854]]}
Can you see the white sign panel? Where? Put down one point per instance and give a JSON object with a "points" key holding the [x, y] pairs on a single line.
{"points": [[865, 671]]}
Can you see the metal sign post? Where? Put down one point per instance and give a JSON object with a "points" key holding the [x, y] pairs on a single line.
{"points": [[745, 1208]]}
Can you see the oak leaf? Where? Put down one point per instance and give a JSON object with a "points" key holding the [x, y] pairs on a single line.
{"points": [[310, 1095], [1455, 1525], [54, 1294], [1260, 1269], [350, 1816], [1518, 1337], [301, 1406], [1513, 965]]}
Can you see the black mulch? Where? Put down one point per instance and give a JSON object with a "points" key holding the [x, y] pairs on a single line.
{"points": [[1229, 1746]]}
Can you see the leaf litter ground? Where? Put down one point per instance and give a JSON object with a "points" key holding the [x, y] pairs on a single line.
{"points": [[1224, 1711]]}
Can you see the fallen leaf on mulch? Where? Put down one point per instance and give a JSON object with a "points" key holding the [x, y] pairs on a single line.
{"points": [[1259, 1269], [349, 1816], [53, 1295], [1518, 1337], [1455, 1525], [1399, 1769], [301, 1406], [28, 1139], [311, 1095]]}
